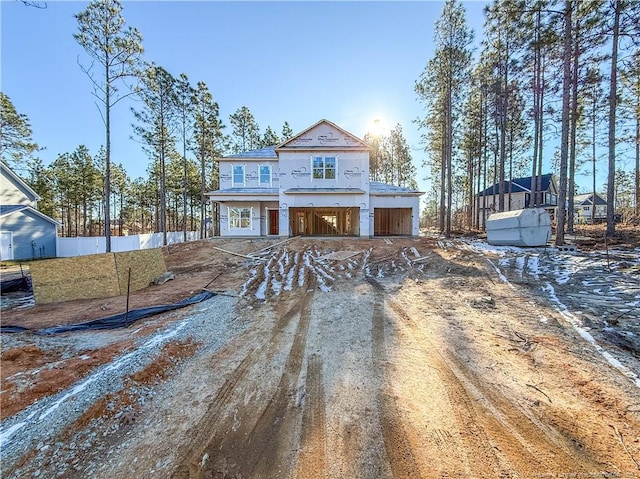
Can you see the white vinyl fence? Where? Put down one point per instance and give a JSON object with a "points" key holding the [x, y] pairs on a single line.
{"points": [[79, 246]]}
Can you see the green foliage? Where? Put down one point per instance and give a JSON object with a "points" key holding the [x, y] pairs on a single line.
{"points": [[16, 143], [117, 50], [270, 138], [287, 132], [245, 134]]}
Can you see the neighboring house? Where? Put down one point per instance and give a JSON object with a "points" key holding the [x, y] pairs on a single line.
{"points": [[517, 196], [583, 207], [25, 233], [314, 184]]}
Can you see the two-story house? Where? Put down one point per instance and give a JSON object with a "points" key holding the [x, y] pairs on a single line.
{"points": [[586, 209], [25, 232], [314, 184], [518, 195]]}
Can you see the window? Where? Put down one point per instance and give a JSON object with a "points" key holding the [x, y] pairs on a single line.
{"points": [[265, 175], [238, 175], [239, 218], [324, 167], [550, 199]]}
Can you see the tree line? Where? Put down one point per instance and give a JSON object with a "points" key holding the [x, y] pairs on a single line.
{"points": [[180, 129], [177, 123], [558, 77]]}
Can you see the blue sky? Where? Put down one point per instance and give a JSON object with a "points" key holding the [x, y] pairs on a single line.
{"points": [[348, 62]]}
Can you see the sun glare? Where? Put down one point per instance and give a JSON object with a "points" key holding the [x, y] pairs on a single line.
{"points": [[377, 126]]}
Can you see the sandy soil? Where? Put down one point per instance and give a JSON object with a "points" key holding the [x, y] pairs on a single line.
{"points": [[397, 358]]}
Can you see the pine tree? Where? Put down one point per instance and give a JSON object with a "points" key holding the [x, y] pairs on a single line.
{"points": [[245, 131], [441, 87], [208, 143], [156, 125], [270, 138], [184, 105], [16, 143], [117, 51], [287, 132]]}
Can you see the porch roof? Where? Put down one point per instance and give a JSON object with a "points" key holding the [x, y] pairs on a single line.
{"points": [[324, 191]]}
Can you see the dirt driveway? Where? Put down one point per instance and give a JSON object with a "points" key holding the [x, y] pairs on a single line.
{"points": [[397, 358]]}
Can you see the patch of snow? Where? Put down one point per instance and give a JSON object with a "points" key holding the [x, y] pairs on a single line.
{"points": [[533, 266], [584, 333], [520, 265], [276, 286], [253, 272], [502, 277]]}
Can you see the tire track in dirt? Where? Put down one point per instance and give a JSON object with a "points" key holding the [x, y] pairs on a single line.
{"points": [[399, 454], [499, 437], [312, 460], [211, 421], [265, 451], [240, 438]]}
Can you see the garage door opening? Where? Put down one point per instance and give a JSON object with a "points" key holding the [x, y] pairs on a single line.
{"points": [[324, 221], [392, 222]]}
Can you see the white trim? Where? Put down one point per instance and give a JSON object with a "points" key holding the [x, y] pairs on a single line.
{"points": [[250, 208], [268, 165], [233, 175], [26, 189], [268, 220], [7, 255], [324, 167]]}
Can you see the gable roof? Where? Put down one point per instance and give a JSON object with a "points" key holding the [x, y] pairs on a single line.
{"points": [[19, 182], [587, 199], [359, 144], [518, 185], [6, 210]]}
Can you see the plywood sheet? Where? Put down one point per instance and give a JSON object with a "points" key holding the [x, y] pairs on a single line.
{"points": [[145, 264], [81, 277]]}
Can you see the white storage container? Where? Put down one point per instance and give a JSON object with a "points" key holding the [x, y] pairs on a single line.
{"points": [[529, 227]]}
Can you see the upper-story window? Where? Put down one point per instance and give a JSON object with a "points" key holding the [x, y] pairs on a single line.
{"points": [[324, 167], [265, 175], [238, 175]]}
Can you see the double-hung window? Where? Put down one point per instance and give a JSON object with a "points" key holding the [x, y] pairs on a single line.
{"points": [[238, 175], [324, 168], [265, 175], [239, 218]]}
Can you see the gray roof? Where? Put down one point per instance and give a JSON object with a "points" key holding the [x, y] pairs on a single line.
{"points": [[383, 188], [587, 199], [335, 191], [8, 209], [267, 152], [245, 191]]}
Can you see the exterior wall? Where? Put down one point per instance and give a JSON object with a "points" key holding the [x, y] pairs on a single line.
{"points": [[251, 173], [583, 213], [412, 202], [33, 236], [296, 171], [265, 206], [518, 201], [11, 193], [225, 227]]}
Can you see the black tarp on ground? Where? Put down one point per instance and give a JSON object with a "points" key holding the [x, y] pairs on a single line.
{"points": [[115, 321], [13, 285]]}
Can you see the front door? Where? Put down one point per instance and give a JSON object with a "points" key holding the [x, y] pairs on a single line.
{"points": [[273, 222], [6, 245]]}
